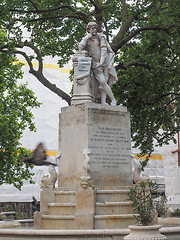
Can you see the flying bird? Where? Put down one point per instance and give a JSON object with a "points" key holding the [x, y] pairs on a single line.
{"points": [[38, 157]]}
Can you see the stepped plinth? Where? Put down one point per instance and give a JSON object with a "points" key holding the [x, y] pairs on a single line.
{"points": [[95, 171]]}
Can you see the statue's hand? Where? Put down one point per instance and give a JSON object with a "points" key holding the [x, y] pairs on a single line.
{"points": [[97, 65], [89, 35], [83, 43]]}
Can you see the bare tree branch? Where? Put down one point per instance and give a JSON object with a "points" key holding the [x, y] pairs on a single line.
{"points": [[36, 50], [70, 15], [127, 23], [116, 45], [124, 9], [107, 32], [97, 13], [27, 59], [74, 11], [45, 10], [94, 2], [163, 96], [126, 66], [171, 101], [160, 139], [34, 5], [39, 73]]}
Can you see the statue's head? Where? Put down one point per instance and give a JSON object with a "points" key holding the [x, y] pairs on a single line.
{"points": [[90, 25]]}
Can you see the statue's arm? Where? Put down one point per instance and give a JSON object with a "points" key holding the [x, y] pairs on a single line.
{"points": [[103, 47], [82, 44], [104, 52], [103, 55]]}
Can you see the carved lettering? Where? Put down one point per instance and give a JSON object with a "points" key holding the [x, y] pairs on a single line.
{"points": [[110, 147]]}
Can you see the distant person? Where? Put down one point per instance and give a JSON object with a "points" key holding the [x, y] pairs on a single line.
{"points": [[102, 55]]}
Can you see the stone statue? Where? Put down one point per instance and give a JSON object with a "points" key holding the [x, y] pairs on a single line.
{"points": [[138, 177], [86, 180], [103, 73], [48, 181]]}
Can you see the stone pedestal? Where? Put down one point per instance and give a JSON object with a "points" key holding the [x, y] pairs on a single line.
{"points": [[95, 172], [82, 85], [95, 140], [38, 220]]}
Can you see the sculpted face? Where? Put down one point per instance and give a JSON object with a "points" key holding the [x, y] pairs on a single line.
{"points": [[93, 30]]}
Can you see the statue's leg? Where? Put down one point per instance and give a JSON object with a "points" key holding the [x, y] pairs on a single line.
{"points": [[108, 90], [103, 96], [99, 75]]}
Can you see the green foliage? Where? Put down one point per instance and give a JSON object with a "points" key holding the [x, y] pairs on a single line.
{"points": [[16, 101], [161, 206], [145, 36], [149, 79], [176, 213], [142, 201], [21, 215]]}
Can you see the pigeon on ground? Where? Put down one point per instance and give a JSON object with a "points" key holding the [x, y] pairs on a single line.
{"points": [[38, 157]]}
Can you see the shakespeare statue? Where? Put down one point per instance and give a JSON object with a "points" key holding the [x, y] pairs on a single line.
{"points": [[103, 74]]}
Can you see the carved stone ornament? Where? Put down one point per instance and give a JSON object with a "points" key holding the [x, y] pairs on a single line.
{"points": [[81, 81], [138, 177], [48, 181], [86, 153], [86, 179], [86, 182]]}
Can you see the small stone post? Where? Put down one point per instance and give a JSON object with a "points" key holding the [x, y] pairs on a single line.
{"points": [[46, 196], [82, 91], [85, 208]]}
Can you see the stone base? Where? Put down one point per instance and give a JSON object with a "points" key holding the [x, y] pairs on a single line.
{"points": [[10, 224], [95, 171], [95, 140], [79, 98], [87, 209], [105, 234]]}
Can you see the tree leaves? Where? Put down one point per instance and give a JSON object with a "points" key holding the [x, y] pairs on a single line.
{"points": [[16, 101], [145, 36]]}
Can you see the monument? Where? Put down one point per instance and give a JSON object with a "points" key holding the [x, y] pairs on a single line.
{"points": [[95, 171]]}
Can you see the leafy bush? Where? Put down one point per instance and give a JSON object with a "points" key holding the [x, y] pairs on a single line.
{"points": [[176, 213], [161, 206], [142, 201]]}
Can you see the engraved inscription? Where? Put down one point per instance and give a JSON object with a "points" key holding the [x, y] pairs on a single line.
{"points": [[105, 112], [84, 66], [110, 118], [110, 147]]}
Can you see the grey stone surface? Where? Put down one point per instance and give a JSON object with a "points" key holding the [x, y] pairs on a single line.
{"points": [[82, 90], [105, 131], [106, 234]]}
